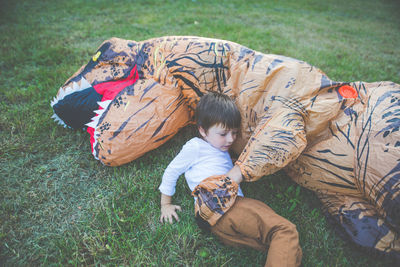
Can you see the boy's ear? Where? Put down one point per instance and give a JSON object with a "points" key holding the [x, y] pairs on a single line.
{"points": [[202, 132]]}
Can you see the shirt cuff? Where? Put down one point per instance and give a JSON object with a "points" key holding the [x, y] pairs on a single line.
{"points": [[166, 191]]}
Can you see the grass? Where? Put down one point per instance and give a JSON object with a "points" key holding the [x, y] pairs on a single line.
{"points": [[59, 206]]}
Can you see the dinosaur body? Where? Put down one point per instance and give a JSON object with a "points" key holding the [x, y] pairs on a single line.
{"points": [[340, 140]]}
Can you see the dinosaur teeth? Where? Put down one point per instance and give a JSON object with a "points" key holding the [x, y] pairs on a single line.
{"points": [[63, 92], [68, 90], [99, 112], [92, 124], [104, 104], [75, 87], [59, 120], [53, 101], [85, 84]]}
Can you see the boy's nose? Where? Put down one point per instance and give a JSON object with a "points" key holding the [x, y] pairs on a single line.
{"points": [[229, 137]]}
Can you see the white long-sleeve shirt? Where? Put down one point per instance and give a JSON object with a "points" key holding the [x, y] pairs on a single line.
{"points": [[198, 160]]}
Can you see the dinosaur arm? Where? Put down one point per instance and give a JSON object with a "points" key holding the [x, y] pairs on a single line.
{"points": [[278, 139]]}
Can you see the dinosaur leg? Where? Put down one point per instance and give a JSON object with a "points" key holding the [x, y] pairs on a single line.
{"points": [[361, 223], [377, 150], [328, 168]]}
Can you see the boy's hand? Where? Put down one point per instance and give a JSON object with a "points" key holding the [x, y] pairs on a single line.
{"points": [[235, 174], [168, 212]]}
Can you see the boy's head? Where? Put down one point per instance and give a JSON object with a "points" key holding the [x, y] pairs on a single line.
{"points": [[218, 119], [217, 108]]}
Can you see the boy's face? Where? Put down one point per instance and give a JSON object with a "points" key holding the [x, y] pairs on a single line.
{"points": [[219, 137]]}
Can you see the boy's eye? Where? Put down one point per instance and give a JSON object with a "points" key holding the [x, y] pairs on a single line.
{"points": [[223, 134], [235, 132]]}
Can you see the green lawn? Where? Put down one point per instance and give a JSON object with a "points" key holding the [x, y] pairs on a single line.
{"points": [[59, 206]]}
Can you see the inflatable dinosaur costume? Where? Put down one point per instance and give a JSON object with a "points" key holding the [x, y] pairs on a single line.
{"points": [[340, 140]]}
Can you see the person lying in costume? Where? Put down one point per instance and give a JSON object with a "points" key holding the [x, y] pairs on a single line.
{"points": [[236, 220], [338, 139]]}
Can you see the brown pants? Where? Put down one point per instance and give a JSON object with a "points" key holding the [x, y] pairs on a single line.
{"points": [[252, 223]]}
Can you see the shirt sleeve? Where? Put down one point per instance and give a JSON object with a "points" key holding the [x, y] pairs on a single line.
{"points": [[179, 165]]}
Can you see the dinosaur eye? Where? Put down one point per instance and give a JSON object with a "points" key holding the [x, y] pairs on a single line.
{"points": [[348, 92]]}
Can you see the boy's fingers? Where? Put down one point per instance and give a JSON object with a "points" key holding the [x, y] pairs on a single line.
{"points": [[169, 217], [176, 216], [164, 218]]}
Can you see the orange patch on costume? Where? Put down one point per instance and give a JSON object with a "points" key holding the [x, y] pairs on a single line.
{"points": [[348, 92]]}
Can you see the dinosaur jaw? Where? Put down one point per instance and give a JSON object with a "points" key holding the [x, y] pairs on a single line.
{"points": [[63, 92]]}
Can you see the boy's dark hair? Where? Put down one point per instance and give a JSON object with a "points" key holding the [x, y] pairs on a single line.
{"points": [[217, 108]]}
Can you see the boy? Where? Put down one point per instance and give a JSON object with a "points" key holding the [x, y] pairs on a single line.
{"points": [[220, 205]]}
